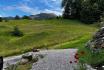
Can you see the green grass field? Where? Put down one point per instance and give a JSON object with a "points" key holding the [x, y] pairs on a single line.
{"points": [[52, 34]]}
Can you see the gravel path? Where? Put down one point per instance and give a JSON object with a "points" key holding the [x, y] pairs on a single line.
{"points": [[53, 60], [56, 60]]}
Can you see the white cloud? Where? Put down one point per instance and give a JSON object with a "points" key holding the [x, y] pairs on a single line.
{"points": [[29, 10], [33, 11], [0, 15], [53, 11], [23, 6], [52, 3], [54, 6]]}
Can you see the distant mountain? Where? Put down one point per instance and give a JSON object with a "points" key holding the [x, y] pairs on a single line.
{"points": [[43, 16], [9, 18]]}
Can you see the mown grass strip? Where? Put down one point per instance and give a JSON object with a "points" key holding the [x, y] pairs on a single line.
{"points": [[76, 43]]}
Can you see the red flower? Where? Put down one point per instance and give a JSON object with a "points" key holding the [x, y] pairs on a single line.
{"points": [[77, 54], [82, 52], [76, 57], [71, 62]]}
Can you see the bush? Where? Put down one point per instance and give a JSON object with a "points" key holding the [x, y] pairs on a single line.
{"points": [[25, 17], [1, 19], [16, 32]]}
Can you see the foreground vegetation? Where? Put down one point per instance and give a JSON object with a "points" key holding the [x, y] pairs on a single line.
{"points": [[93, 59], [43, 34]]}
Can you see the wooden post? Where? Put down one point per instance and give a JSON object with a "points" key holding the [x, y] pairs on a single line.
{"points": [[1, 63]]}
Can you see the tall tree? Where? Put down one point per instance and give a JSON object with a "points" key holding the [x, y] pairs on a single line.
{"points": [[17, 17], [67, 9], [101, 5], [25, 17], [88, 11], [71, 8]]}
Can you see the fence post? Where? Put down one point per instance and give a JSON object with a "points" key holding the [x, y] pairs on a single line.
{"points": [[1, 63]]}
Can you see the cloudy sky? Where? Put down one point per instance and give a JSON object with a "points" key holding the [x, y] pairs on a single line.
{"points": [[29, 7]]}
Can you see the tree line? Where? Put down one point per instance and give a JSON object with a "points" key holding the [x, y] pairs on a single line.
{"points": [[88, 11], [17, 17]]}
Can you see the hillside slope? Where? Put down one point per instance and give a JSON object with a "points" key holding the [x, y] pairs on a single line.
{"points": [[43, 34]]}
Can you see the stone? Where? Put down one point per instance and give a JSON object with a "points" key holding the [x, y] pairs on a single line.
{"points": [[24, 61], [35, 50], [97, 41], [29, 57]]}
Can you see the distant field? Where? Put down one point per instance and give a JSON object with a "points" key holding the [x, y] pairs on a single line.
{"points": [[43, 34]]}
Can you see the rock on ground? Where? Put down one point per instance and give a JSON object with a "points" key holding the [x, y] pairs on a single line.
{"points": [[97, 41]]}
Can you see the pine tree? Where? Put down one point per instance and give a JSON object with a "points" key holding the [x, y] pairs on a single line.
{"points": [[17, 17]]}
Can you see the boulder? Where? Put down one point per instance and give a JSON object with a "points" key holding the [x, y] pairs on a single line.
{"points": [[97, 41], [23, 61], [35, 50], [27, 56]]}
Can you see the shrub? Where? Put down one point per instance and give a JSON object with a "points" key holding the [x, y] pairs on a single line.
{"points": [[16, 32], [25, 17], [1, 19]]}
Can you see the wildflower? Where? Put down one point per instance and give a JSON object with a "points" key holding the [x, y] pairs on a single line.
{"points": [[71, 62], [76, 57], [82, 52], [77, 54]]}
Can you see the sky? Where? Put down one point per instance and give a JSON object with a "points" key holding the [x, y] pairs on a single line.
{"points": [[29, 7]]}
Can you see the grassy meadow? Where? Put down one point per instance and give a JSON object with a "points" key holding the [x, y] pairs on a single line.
{"points": [[41, 34]]}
